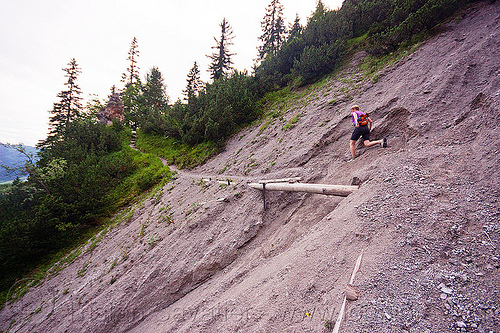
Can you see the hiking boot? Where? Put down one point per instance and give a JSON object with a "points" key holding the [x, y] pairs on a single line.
{"points": [[383, 144]]}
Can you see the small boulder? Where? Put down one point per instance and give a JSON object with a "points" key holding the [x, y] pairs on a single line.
{"points": [[351, 293]]}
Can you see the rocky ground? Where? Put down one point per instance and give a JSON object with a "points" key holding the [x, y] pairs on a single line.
{"points": [[204, 256]]}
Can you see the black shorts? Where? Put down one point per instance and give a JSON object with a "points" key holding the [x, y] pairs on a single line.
{"points": [[363, 131]]}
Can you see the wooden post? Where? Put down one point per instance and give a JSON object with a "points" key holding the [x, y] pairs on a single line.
{"points": [[264, 194]]}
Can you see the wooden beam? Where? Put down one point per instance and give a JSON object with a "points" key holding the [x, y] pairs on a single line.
{"points": [[339, 190], [281, 180], [342, 308]]}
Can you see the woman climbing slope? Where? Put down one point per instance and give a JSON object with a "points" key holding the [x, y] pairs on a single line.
{"points": [[362, 127]]}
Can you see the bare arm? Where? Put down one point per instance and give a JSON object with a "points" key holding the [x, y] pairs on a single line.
{"points": [[354, 114]]}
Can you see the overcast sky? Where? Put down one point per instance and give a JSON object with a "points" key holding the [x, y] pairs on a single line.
{"points": [[39, 37]]}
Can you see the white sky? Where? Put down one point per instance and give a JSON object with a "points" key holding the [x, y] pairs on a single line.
{"points": [[39, 37]]}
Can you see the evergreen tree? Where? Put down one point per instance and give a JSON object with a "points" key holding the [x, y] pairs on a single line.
{"points": [[131, 97], [221, 59], [296, 28], [194, 83], [154, 93], [69, 106], [319, 12], [273, 30], [153, 103], [133, 69]]}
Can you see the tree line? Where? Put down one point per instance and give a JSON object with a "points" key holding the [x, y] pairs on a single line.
{"points": [[86, 169], [288, 54]]}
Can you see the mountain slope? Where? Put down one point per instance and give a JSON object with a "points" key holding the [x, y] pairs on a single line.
{"points": [[11, 158], [426, 216]]}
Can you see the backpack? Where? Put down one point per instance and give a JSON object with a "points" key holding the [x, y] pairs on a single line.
{"points": [[363, 119]]}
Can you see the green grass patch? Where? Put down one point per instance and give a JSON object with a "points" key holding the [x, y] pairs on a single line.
{"points": [[265, 125], [278, 97], [292, 122], [83, 270], [372, 65], [279, 102], [357, 41], [175, 152], [148, 171]]}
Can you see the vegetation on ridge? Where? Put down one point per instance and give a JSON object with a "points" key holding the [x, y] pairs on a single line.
{"points": [[77, 184]]}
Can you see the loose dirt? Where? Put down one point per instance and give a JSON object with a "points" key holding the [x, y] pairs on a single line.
{"points": [[204, 256]]}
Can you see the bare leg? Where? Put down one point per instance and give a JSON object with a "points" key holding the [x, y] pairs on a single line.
{"points": [[369, 143], [352, 147]]}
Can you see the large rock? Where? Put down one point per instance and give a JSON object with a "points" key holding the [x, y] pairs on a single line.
{"points": [[114, 109]]}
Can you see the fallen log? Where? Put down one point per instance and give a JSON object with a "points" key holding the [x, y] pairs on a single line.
{"points": [[339, 190]]}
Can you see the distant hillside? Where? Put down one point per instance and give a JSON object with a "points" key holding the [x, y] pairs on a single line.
{"points": [[11, 157]]}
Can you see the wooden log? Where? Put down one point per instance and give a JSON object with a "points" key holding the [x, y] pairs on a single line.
{"points": [[339, 190], [281, 180]]}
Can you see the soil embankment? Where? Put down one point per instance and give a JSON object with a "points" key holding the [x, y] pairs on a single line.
{"points": [[203, 256]]}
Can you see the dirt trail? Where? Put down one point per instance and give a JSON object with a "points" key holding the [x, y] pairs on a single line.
{"points": [[205, 257]]}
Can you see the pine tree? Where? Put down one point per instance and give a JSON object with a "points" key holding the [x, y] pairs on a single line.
{"points": [[153, 103], [319, 12], [221, 59], [194, 83], [273, 30], [296, 28], [131, 97], [154, 93], [69, 106], [133, 70]]}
